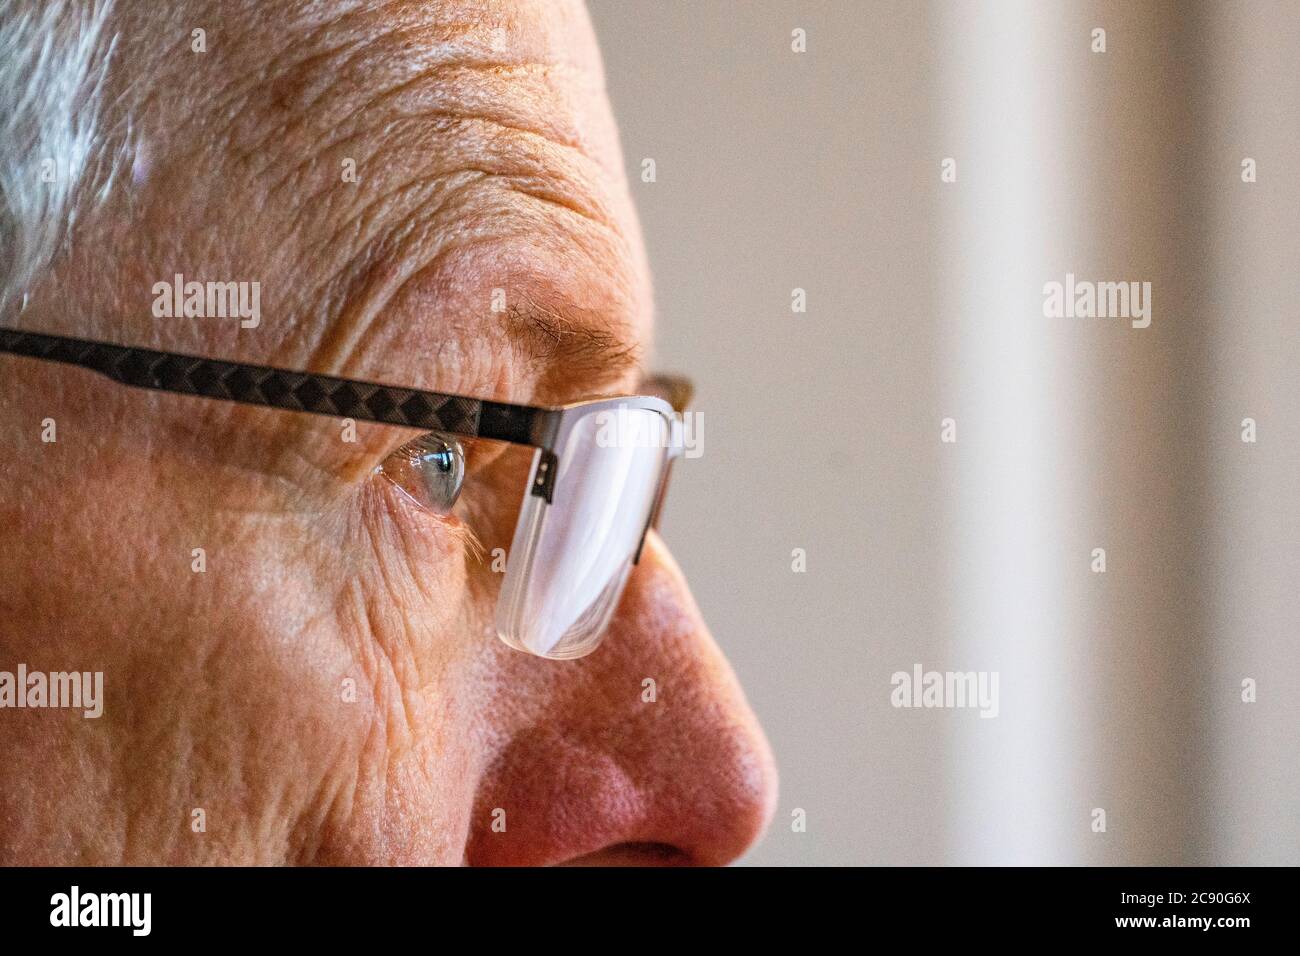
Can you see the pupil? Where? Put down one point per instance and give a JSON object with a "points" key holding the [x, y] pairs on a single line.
{"points": [[443, 459]]}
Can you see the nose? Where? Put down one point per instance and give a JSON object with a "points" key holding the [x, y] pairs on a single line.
{"points": [[644, 752]]}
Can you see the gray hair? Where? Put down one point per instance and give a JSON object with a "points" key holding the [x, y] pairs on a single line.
{"points": [[54, 56]]}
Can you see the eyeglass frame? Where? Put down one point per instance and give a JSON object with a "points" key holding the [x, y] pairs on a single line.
{"points": [[545, 428]]}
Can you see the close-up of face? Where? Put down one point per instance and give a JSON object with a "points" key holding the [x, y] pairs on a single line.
{"points": [[296, 616]]}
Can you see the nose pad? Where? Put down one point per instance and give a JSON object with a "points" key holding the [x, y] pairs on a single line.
{"points": [[647, 742]]}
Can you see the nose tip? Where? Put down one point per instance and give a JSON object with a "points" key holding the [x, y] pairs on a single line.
{"points": [[721, 818], [734, 804], [690, 786]]}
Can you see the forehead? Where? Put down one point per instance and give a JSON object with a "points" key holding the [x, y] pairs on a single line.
{"points": [[486, 242]]}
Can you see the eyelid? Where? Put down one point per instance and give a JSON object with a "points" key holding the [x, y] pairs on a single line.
{"points": [[452, 525]]}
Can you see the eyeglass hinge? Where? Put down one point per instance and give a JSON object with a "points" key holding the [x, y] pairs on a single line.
{"points": [[544, 480]]}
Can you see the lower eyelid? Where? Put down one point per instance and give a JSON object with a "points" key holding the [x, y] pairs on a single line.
{"points": [[405, 508], [426, 538]]}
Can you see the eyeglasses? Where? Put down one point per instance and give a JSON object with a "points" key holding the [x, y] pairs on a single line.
{"points": [[595, 487]]}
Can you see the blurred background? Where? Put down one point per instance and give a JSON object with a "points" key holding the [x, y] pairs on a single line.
{"points": [[820, 170]]}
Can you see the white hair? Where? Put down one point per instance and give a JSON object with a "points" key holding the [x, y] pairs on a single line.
{"points": [[54, 56]]}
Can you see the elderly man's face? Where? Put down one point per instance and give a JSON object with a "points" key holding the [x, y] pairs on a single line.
{"points": [[329, 688]]}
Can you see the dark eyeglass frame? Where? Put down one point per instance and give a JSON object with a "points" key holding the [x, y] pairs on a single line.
{"points": [[537, 426]]}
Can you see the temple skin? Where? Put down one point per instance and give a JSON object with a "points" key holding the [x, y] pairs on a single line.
{"points": [[486, 158]]}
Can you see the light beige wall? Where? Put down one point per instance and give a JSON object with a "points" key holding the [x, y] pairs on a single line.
{"points": [[1251, 811]]}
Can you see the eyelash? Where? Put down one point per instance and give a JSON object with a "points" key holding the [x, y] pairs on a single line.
{"points": [[430, 470]]}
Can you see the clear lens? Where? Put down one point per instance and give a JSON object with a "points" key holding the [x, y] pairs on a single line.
{"points": [[570, 559]]}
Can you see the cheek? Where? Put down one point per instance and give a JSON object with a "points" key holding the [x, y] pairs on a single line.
{"points": [[415, 616], [411, 587]]}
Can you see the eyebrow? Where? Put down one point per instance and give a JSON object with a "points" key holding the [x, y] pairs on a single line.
{"points": [[591, 351]]}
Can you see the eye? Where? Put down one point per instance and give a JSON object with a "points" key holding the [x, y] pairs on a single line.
{"points": [[430, 470]]}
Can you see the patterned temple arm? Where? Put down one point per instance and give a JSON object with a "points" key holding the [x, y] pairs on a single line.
{"points": [[280, 388]]}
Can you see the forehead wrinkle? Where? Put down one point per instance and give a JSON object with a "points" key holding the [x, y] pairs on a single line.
{"points": [[512, 130], [388, 50], [452, 149], [439, 116], [597, 341], [460, 188], [436, 189], [445, 94]]}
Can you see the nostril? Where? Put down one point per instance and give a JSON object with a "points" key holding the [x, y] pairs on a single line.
{"points": [[633, 854]]}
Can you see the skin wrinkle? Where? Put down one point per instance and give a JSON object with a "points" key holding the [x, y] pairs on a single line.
{"points": [[401, 733], [240, 98], [474, 99], [372, 756], [349, 318], [229, 97], [399, 660], [373, 254], [375, 208], [338, 346], [331, 354], [373, 760], [548, 133], [359, 306], [333, 351], [341, 780], [444, 124], [327, 192], [594, 348], [303, 115], [320, 73], [367, 318]]}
